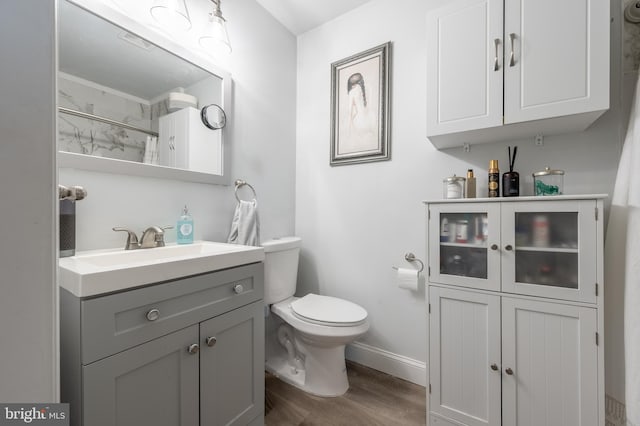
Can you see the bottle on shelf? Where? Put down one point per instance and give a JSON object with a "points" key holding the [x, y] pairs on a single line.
{"points": [[471, 185], [494, 179]]}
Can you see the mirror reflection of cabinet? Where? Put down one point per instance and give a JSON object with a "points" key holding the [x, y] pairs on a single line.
{"points": [[114, 85]]}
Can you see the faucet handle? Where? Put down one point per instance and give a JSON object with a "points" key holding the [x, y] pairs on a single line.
{"points": [[132, 238], [153, 236], [160, 235]]}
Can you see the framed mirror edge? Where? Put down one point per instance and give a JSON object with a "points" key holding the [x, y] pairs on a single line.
{"points": [[70, 160], [108, 165]]}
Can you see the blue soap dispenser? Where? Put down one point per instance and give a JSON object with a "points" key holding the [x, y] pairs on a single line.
{"points": [[185, 227]]}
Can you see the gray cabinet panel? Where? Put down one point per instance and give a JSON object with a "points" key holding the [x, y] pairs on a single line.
{"points": [[152, 384], [231, 371], [122, 368], [119, 321]]}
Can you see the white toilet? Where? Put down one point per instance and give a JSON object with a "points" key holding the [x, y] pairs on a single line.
{"points": [[306, 348]]}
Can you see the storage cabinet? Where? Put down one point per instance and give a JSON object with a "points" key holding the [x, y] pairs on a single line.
{"points": [[515, 311], [539, 248], [187, 352], [154, 383], [494, 63]]}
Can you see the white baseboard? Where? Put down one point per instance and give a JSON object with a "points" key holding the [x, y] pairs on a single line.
{"points": [[397, 365]]}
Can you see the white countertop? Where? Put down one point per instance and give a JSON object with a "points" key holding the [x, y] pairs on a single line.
{"points": [[95, 272]]}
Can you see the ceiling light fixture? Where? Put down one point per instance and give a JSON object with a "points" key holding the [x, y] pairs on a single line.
{"points": [[171, 14], [215, 38]]}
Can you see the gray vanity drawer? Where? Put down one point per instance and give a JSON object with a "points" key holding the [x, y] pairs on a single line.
{"points": [[119, 321]]}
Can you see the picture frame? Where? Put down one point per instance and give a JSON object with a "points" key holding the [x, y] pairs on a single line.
{"points": [[360, 123]]}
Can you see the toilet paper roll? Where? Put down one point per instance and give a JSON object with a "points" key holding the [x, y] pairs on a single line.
{"points": [[407, 278]]}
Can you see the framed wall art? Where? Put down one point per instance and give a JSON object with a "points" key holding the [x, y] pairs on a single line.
{"points": [[360, 129]]}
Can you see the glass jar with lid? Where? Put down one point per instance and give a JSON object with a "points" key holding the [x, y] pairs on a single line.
{"points": [[454, 187], [548, 182]]}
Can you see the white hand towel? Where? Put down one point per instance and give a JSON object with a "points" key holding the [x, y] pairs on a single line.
{"points": [[622, 264], [155, 152], [245, 227], [147, 151]]}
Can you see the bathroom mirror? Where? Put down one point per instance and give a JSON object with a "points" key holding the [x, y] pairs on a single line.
{"points": [[127, 99]]}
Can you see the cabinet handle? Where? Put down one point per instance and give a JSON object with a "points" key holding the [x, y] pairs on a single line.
{"points": [[238, 288], [509, 371], [193, 349], [494, 367], [512, 59], [153, 314], [494, 247], [508, 247], [496, 64], [210, 341]]}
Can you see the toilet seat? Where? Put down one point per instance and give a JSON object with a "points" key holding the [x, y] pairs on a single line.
{"points": [[328, 311]]}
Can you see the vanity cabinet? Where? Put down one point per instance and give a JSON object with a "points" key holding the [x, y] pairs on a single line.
{"points": [[188, 352], [515, 311], [497, 67]]}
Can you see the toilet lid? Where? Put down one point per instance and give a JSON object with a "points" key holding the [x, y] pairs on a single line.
{"points": [[326, 309]]}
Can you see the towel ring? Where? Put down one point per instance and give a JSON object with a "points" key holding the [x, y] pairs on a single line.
{"points": [[240, 183]]}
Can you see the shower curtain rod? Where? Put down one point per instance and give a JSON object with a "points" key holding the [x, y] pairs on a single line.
{"points": [[106, 120]]}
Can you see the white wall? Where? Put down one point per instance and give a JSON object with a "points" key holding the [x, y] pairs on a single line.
{"points": [[357, 221], [28, 291], [262, 132]]}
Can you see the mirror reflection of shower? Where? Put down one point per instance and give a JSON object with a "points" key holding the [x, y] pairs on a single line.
{"points": [[115, 89]]}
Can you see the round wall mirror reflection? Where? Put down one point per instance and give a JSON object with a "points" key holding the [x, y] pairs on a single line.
{"points": [[213, 116]]}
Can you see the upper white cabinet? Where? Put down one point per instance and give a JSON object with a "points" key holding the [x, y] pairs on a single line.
{"points": [[503, 69]]}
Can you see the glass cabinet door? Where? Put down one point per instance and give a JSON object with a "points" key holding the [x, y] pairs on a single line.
{"points": [[463, 244], [548, 249]]}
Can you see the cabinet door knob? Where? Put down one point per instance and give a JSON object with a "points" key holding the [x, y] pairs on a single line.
{"points": [[508, 247], [238, 288], [210, 341], [494, 247], [193, 349], [494, 367], [153, 314], [509, 371]]}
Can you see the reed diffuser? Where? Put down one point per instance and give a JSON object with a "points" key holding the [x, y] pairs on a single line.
{"points": [[511, 179]]}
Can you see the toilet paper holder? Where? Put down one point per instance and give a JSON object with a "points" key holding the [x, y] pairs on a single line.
{"points": [[410, 257]]}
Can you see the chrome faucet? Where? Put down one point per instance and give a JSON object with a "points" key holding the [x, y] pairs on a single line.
{"points": [[153, 236]]}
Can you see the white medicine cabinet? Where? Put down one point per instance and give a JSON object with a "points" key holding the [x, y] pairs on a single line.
{"points": [[515, 294], [508, 69]]}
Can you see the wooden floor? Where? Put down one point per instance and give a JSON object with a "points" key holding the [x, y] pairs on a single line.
{"points": [[373, 399]]}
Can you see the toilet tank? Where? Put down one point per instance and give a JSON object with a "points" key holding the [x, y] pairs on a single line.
{"points": [[280, 268]]}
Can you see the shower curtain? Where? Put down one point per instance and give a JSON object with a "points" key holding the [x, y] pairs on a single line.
{"points": [[622, 254]]}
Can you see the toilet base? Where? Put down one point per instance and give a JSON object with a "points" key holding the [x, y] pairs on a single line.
{"points": [[280, 367], [314, 378]]}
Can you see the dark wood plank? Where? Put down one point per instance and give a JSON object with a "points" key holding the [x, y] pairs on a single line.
{"points": [[373, 399]]}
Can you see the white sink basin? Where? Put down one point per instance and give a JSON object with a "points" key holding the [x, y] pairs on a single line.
{"points": [[96, 272]]}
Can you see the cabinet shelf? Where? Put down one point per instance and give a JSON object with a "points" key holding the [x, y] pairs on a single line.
{"points": [[467, 245], [548, 249]]}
